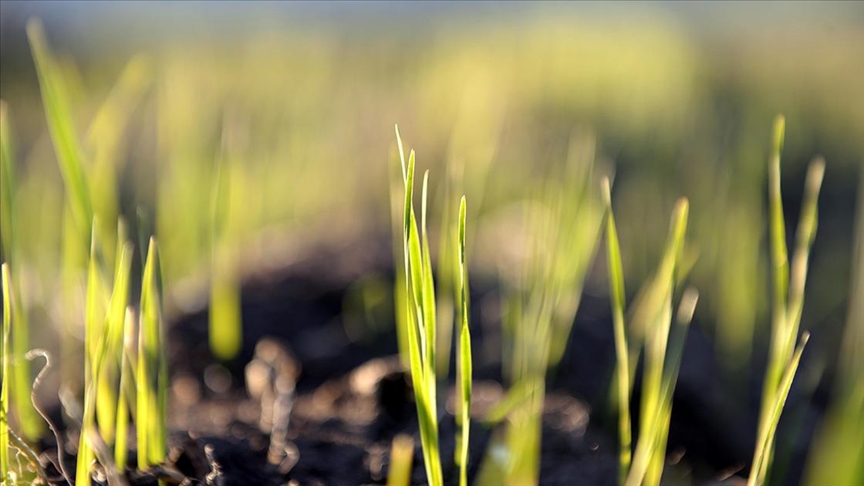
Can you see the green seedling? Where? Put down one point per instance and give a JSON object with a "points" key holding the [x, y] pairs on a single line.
{"points": [[4, 373], [464, 372], [107, 342], [127, 382], [421, 318], [225, 320], [152, 373], [622, 366], [561, 218], [66, 142], [660, 375], [400, 298], [420, 294], [787, 301], [662, 344], [19, 379]]}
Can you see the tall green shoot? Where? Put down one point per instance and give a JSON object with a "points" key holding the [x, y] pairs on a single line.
{"points": [[121, 434], [400, 298], [4, 374], [420, 294], [663, 347], [225, 330], [622, 367], [152, 375], [464, 372], [106, 341], [66, 141], [561, 218], [29, 421], [787, 300]]}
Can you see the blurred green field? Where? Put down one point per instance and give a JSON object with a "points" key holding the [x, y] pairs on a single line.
{"points": [[227, 143]]}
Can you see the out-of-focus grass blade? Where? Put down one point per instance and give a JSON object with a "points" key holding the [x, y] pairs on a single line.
{"points": [[7, 184], [787, 295], [806, 233], [31, 424], [401, 457], [513, 399], [779, 269], [95, 400], [121, 439], [779, 258], [4, 373], [226, 333], [66, 142], [94, 315], [837, 453], [152, 373], [106, 405], [675, 351], [655, 314], [465, 359], [766, 435], [616, 291], [105, 142]]}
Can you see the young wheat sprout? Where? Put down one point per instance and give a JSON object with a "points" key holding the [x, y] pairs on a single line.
{"points": [[421, 317]]}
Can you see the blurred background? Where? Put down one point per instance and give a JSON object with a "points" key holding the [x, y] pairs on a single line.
{"points": [[296, 103]]}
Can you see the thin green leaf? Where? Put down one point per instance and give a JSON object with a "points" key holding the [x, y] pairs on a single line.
{"points": [[122, 428], [4, 373], [7, 184], [152, 373], [616, 290], [59, 116], [465, 358], [766, 436]]}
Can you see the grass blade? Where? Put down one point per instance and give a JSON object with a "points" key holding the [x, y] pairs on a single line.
{"points": [[766, 435], [788, 298], [226, 328], [7, 185], [653, 316], [465, 360], [418, 283], [94, 314], [4, 373], [121, 439], [622, 367], [29, 421], [152, 373], [401, 457], [66, 143]]}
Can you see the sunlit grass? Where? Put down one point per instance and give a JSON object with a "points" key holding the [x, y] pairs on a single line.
{"points": [[152, 374], [787, 300], [560, 220], [199, 229], [4, 374], [421, 314], [420, 294], [661, 344], [464, 360], [622, 366]]}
